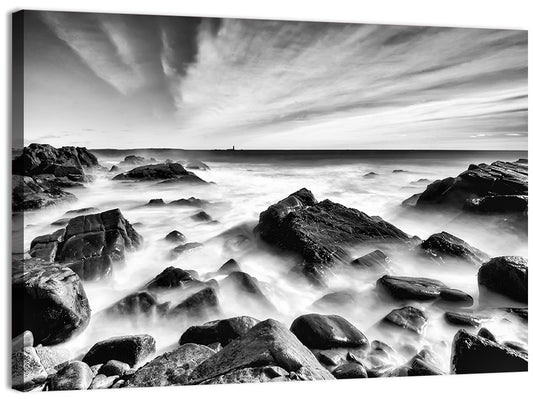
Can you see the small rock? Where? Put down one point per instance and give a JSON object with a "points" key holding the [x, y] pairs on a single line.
{"points": [[457, 297], [202, 217], [75, 375], [410, 288], [175, 237], [130, 349], [349, 370], [114, 368], [443, 246], [156, 202], [221, 331], [409, 318], [464, 319], [484, 333], [101, 381]]}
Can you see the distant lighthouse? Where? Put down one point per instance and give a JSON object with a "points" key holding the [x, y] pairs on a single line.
{"points": [[233, 148]]}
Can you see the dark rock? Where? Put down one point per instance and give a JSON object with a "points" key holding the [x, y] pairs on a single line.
{"points": [[137, 303], [114, 368], [171, 277], [198, 305], [318, 231], [499, 178], [520, 312], [411, 288], [26, 369], [269, 343], [93, 242], [370, 175], [484, 333], [171, 368], [245, 285], [49, 301], [35, 193], [455, 296], [173, 172], [444, 246], [222, 331], [196, 164], [228, 267], [101, 381], [252, 375], [114, 169], [408, 318], [23, 340], [464, 319], [373, 260], [517, 346], [333, 299], [349, 370], [45, 247], [422, 364], [156, 202], [474, 354], [184, 248], [201, 217], [191, 201], [498, 204], [132, 160], [327, 331], [81, 211], [399, 171], [130, 349], [75, 375], [60, 222], [411, 201], [175, 237], [506, 275]]}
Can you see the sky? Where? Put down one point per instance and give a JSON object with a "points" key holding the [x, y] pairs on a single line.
{"points": [[131, 81]]}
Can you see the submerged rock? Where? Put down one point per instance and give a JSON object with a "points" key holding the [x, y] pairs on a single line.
{"points": [[130, 349], [201, 217], [267, 344], [318, 331], [191, 201], [221, 331], [421, 364], [156, 202], [171, 277], [335, 299], [409, 318], [137, 303], [474, 354], [444, 246], [506, 275], [170, 171], [49, 301], [411, 288], [456, 297], [318, 231], [171, 368], [196, 164], [198, 305], [184, 248], [75, 375], [464, 319], [373, 260], [244, 284], [349, 371], [175, 237]]}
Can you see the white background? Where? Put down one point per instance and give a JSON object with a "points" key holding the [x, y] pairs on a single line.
{"points": [[511, 14]]}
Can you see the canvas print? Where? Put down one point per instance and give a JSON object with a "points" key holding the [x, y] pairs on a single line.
{"points": [[218, 201]]}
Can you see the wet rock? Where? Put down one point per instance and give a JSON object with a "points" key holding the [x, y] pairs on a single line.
{"points": [[318, 331], [26, 369], [340, 298], [373, 260], [155, 202], [180, 249], [60, 222], [45, 247], [137, 303], [175, 237], [506, 275], [318, 231], [22, 340], [485, 333], [456, 297], [201, 217], [114, 169], [399, 171], [172, 277], [479, 181], [169, 172], [408, 317], [464, 319], [251, 375], [410, 288], [114, 368], [349, 371], [191, 201], [269, 343], [244, 284], [517, 346], [443, 246], [196, 164], [229, 267], [200, 304], [474, 354], [171, 368], [222, 331], [498, 204], [370, 175], [101, 381], [422, 364], [519, 312], [49, 301], [132, 160], [35, 193], [130, 349], [52, 357], [93, 242], [81, 211], [75, 375]]}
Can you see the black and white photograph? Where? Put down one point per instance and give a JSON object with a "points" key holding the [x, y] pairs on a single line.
{"points": [[202, 200]]}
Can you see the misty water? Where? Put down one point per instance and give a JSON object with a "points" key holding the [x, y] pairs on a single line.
{"points": [[242, 189]]}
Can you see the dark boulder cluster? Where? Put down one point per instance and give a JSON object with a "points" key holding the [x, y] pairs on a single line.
{"points": [[89, 244], [166, 173], [41, 172]]}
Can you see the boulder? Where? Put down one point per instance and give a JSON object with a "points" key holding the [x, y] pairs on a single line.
{"points": [[49, 301], [373, 260], [443, 246], [222, 331], [75, 375], [349, 371], [156, 202], [475, 354], [456, 297], [506, 275], [248, 286], [45, 247], [252, 375], [344, 298], [130, 349], [464, 319], [421, 364], [34, 193], [485, 333], [92, 243], [175, 237], [169, 172], [171, 277], [26, 369], [268, 343], [198, 305], [114, 169], [318, 232], [137, 303], [498, 204], [81, 211], [408, 318], [410, 288], [114, 368], [479, 181], [318, 331], [191, 201], [133, 160], [196, 164], [201, 217], [171, 368], [180, 249]]}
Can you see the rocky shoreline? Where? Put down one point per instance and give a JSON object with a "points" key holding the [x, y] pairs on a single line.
{"points": [[50, 305]]}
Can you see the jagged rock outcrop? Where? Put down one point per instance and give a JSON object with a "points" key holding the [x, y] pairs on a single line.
{"points": [[506, 275], [171, 172], [444, 246]]}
